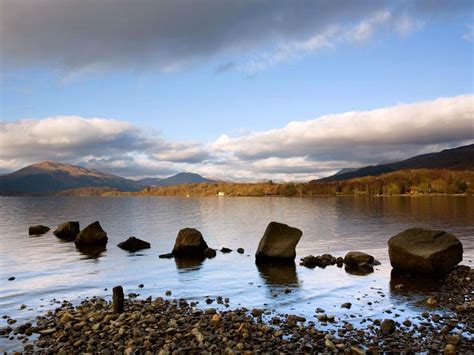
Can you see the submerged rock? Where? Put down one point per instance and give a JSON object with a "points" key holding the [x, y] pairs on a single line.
{"points": [[133, 244], [358, 258], [37, 230], [278, 243], [93, 234], [189, 242], [425, 251], [67, 230], [226, 250]]}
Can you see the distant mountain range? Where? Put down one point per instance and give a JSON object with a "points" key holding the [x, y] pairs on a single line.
{"points": [[461, 158], [178, 179], [49, 178]]}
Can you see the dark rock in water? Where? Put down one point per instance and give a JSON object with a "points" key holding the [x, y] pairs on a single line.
{"points": [[359, 270], [358, 258], [133, 244], [93, 234], [278, 243], [210, 253], [6, 330], [67, 231], [166, 256], [387, 326], [11, 278], [37, 230], [320, 260], [240, 250], [425, 251], [347, 305], [189, 242], [339, 261], [226, 250]]}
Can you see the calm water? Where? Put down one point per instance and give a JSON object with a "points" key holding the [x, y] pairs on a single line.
{"points": [[46, 267]]}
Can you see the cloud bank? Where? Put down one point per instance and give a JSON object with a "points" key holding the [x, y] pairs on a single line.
{"points": [[80, 36], [302, 150]]}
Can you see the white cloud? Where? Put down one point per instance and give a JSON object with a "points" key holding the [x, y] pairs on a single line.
{"points": [[302, 150], [365, 135], [469, 34], [332, 36]]}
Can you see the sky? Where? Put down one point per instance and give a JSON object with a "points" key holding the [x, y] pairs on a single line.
{"points": [[243, 90]]}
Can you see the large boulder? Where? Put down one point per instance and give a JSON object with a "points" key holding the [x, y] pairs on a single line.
{"points": [[67, 231], [358, 258], [424, 251], [134, 244], [278, 243], [93, 234], [37, 230], [189, 242]]}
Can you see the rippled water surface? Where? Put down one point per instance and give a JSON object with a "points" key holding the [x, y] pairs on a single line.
{"points": [[46, 267]]}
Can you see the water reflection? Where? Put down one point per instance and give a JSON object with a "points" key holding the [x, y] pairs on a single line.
{"points": [[188, 263], [405, 283], [359, 270], [91, 252], [279, 274]]}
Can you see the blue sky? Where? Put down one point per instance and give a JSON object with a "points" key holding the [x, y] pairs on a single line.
{"points": [[361, 61]]}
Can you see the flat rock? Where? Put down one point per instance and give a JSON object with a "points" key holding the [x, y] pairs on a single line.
{"points": [[67, 230], [93, 234], [37, 230], [425, 251], [133, 244], [189, 242], [278, 243]]}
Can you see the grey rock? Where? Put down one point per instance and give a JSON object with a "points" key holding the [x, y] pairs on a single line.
{"points": [[93, 234], [358, 258], [210, 253], [67, 230], [189, 242], [37, 230], [133, 244], [278, 243], [425, 251]]}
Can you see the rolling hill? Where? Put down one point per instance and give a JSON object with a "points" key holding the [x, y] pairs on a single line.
{"points": [[50, 177], [457, 159], [178, 179]]}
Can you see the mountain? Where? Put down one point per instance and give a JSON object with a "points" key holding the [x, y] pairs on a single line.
{"points": [[178, 179], [345, 171], [50, 177], [459, 159]]}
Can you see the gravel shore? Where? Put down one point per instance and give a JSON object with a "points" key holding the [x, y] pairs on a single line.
{"points": [[176, 326]]}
